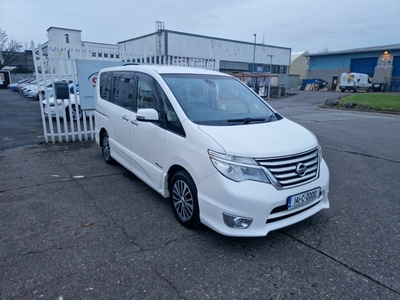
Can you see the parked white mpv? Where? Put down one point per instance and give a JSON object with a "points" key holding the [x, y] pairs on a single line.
{"points": [[222, 155]]}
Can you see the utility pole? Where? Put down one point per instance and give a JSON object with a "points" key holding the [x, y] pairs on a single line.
{"points": [[269, 78], [254, 52]]}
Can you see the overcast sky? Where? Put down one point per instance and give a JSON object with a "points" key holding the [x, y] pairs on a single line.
{"points": [[303, 25]]}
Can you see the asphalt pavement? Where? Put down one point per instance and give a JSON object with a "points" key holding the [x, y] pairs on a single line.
{"points": [[73, 227]]}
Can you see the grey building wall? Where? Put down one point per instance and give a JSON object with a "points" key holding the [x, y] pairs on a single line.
{"points": [[381, 72], [290, 81]]}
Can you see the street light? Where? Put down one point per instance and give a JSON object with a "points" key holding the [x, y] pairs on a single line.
{"points": [[254, 52], [269, 79]]}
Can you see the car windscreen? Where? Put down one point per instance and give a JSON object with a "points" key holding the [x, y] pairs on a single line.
{"points": [[218, 100]]}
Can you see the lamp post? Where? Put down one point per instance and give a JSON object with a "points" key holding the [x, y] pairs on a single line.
{"points": [[254, 52], [269, 79]]}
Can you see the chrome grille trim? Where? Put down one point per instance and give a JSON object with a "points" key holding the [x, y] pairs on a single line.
{"points": [[283, 169]]}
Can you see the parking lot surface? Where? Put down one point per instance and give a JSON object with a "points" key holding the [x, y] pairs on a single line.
{"points": [[73, 227]]}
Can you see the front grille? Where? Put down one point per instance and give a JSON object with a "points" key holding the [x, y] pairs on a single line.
{"points": [[283, 169]]}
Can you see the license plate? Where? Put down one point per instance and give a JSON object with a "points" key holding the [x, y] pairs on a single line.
{"points": [[303, 198]]}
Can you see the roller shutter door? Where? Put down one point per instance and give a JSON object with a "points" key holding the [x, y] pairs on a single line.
{"points": [[364, 65], [396, 66], [396, 73]]}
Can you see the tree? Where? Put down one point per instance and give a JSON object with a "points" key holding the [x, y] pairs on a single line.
{"points": [[325, 50], [8, 50]]}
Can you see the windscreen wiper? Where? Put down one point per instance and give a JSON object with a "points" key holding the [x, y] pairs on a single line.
{"points": [[246, 120]]}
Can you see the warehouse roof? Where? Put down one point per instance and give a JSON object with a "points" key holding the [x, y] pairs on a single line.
{"points": [[359, 50]]}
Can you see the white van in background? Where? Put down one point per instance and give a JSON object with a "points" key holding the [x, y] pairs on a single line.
{"points": [[219, 152], [355, 82]]}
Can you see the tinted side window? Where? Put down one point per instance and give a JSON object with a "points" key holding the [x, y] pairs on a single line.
{"points": [[146, 92], [105, 86], [172, 122], [124, 90]]}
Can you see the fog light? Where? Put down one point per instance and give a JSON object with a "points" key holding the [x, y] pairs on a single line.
{"points": [[237, 221]]}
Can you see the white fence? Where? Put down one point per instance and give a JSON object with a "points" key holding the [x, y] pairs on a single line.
{"points": [[64, 120]]}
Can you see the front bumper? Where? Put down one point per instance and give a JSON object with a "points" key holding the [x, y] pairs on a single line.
{"points": [[258, 201]]}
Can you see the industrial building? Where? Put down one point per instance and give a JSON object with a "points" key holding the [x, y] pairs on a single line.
{"points": [[173, 47], [230, 55], [381, 63]]}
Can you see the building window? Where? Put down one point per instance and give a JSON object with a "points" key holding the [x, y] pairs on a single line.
{"points": [[116, 55], [94, 54], [106, 55], [100, 54], [68, 54], [111, 55], [67, 38]]}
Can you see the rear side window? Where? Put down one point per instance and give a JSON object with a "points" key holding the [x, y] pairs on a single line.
{"points": [[124, 90], [105, 86]]}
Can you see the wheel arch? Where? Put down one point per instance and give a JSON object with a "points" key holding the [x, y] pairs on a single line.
{"points": [[101, 131], [171, 172]]}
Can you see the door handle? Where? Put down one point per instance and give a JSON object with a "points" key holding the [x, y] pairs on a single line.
{"points": [[135, 122], [125, 118]]}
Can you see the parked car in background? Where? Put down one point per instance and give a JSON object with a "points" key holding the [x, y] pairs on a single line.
{"points": [[379, 86], [66, 108], [25, 86], [32, 90], [21, 85], [13, 86]]}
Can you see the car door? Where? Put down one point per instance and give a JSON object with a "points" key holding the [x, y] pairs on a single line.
{"points": [[148, 138], [120, 116]]}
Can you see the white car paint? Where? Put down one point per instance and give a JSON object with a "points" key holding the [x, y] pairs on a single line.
{"points": [[153, 152], [61, 108]]}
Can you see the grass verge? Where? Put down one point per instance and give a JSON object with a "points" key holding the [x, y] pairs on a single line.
{"points": [[387, 102]]}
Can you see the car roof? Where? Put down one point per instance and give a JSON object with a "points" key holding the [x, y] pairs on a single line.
{"points": [[164, 69]]}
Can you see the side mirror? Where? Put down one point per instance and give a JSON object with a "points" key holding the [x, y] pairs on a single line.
{"points": [[147, 115]]}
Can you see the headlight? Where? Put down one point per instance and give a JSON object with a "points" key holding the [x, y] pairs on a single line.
{"points": [[237, 168]]}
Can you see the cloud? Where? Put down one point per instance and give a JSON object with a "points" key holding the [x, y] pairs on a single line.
{"points": [[301, 25]]}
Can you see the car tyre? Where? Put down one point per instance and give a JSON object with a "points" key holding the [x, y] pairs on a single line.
{"points": [[105, 148], [76, 113], [183, 193]]}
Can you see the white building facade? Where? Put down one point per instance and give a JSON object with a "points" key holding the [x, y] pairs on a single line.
{"points": [[67, 43]]}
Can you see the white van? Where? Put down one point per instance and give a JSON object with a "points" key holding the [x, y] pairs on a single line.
{"points": [[212, 146], [354, 82]]}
